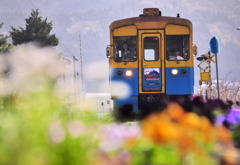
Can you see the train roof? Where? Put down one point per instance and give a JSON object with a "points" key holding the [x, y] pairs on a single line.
{"points": [[157, 18]]}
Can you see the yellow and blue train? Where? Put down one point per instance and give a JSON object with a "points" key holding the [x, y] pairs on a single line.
{"points": [[150, 57]]}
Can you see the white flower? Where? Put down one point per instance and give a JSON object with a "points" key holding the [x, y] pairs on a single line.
{"points": [[75, 128], [56, 132], [31, 67]]}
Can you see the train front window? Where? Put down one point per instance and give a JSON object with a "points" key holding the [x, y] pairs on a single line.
{"points": [[177, 47], [151, 48], [125, 48]]}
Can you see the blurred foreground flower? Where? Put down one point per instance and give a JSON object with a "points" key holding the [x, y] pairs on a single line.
{"points": [[35, 125], [233, 117], [192, 139], [115, 135], [31, 68]]}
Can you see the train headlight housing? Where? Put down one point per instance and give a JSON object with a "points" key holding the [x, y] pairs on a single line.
{"points": [[184, 71], [129, 73], [174, 72], [119, 73]]}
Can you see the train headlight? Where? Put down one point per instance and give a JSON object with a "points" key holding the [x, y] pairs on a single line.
{"points": [[174, 72], [129, 73]]}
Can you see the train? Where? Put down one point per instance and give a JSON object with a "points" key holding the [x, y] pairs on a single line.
{"points": [[151, 61]]}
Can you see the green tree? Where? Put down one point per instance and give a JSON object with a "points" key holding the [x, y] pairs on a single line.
{"points": [[37, 30], [4, 45]]}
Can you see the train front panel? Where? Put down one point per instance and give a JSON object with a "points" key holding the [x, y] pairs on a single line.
{"points": [[150, 59]]}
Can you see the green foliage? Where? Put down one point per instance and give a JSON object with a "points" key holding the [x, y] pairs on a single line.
{"points": [[36, 30], [34, 126], [147, 153], [4, 45], [236, 135], [35, 136]]}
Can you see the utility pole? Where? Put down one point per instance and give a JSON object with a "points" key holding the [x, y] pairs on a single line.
{"points": [[81, 63], [75, 78], [218, 89]]}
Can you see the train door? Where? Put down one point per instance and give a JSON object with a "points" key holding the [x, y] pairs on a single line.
{"points": [[151, 62]]}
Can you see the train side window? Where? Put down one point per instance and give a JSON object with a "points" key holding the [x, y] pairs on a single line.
{"points": [[151, 48], [125, 48], [177, 47]]}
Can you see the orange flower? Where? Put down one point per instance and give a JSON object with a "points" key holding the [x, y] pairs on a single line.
{"points": [[159, 128], [223, 134], [191, 120], [186, 142], [166, 132], [175, 111], [187, 131], [207, 130]]}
